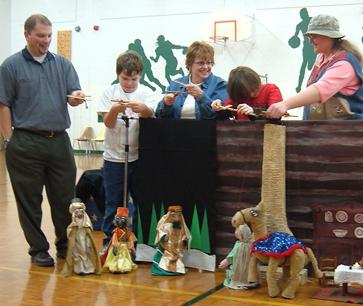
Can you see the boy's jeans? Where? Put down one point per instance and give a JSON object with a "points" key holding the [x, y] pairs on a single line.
{"points": [[113, 180]]}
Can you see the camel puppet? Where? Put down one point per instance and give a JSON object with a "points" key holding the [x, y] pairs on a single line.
{"points": [[293, 259], [270, 217]]}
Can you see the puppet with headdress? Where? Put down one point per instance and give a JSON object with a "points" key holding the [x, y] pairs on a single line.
{"points": [[117, 258], [237, 261], [172, 239], [82, 257]]}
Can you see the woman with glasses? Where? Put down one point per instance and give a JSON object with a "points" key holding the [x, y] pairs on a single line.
{"points": [[191, 96]]}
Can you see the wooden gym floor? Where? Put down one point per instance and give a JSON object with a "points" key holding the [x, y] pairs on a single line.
{"points": [[24, 284]]}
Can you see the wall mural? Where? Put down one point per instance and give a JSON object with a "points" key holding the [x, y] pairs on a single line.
{"points": [[308, 54], [137, 47], [163, 50]]}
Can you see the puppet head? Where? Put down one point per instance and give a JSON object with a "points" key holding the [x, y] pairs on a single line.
{"points": [[175, 213], [120, 219], [243, 233], [77, 209], [79, 216]]}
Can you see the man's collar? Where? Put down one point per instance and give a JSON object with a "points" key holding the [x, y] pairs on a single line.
{"points": [[29, 57]]}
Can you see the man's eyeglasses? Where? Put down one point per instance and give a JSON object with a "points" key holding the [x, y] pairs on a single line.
{"points": [[202, 63]]}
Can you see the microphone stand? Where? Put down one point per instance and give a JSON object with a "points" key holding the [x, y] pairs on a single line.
{"points": [[126, 119], [127, 147]]}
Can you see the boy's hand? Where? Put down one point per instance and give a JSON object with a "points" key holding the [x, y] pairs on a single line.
{"points": [[169, 99], [140, 108], [244, 109], [137, 106], [119, 107]]}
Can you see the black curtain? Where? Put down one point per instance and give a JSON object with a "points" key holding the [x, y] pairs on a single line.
{"points": [[177, 166]]}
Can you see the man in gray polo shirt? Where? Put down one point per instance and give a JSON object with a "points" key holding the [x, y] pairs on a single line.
{"points": [[34, 84]]}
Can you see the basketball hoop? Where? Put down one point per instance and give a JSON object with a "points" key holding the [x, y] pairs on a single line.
{"points": [[230, 30], [216, 39], [226, 26], [264, 78]]}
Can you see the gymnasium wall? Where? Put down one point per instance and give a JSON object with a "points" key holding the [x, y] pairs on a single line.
{"points": [[267, 50]]}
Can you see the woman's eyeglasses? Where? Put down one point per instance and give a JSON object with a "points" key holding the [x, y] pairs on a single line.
{"points": [[202, 63]]}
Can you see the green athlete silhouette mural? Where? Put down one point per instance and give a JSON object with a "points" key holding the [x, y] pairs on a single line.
{"points": [[137, 47], [308, 54], [165, 50]]}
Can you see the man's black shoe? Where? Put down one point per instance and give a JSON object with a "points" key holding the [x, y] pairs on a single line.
{"points": [[43, 259]]}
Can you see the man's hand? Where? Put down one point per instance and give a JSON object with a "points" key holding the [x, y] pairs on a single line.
{"points": [[78, 97]]}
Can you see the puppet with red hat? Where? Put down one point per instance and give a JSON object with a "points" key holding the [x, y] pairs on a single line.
{"points": [[117, 258]]}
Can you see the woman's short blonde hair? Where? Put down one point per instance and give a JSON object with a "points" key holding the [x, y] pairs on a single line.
{"points": [[201, 50]]}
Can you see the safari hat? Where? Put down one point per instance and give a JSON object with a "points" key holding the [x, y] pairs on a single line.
{"points": [[325, 25]]}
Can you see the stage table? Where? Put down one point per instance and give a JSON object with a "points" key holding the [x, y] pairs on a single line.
{"points": [[348, 274]]}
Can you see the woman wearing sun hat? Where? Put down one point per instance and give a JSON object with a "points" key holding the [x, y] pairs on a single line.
{"points": [[334, 89]]}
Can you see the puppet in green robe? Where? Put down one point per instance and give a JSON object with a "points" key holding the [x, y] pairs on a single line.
{"points": [[237, 261], [173, 240]]}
